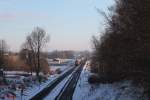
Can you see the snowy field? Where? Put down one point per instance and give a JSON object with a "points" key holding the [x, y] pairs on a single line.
{"points": [[35, 87], [62, 66], [117, 91]]}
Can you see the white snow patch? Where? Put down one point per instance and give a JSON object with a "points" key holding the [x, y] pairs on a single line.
{"points": [[36, 88], [123, 90], [30, 92]]}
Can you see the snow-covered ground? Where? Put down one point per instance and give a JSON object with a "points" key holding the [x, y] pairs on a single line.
{"points": [[123, 90], [62, 67], [16, 72], [35, 87]]}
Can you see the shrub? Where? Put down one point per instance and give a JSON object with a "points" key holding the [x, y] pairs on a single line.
{"points": [[94, 78], [58, 71]]}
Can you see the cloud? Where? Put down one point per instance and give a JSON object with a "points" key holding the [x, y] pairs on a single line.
{"points": [[7, 16], [25, 15]]}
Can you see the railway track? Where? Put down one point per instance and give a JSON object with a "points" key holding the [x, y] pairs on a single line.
{"points": [[67, 91], [42, 94]]}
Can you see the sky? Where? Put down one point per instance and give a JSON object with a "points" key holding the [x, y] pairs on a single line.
{"points": [[70, 23]]}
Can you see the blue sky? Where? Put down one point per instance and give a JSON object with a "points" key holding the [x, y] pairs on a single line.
{"points": [[70, 23]]}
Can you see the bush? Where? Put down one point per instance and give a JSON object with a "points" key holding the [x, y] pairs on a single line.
{"points": [[58, 71], [105, 78], [93, 79]]}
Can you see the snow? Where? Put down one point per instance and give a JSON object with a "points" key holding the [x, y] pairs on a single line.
{"points": [[57, 89], [16, 72], [62, 66], [30, 92], [35, 87], [123, 90]]}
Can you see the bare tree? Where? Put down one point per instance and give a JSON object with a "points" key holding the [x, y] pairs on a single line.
{"points": [[35, 42], [3, 50], [27, 56], [123, 49]]}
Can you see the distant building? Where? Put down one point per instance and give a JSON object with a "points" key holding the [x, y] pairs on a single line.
{"points": [[57, 60]]}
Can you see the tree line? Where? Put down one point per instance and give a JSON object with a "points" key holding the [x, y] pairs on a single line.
{"points": [[3, 50], [61, 54], [123, 50], [30, 58]]}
